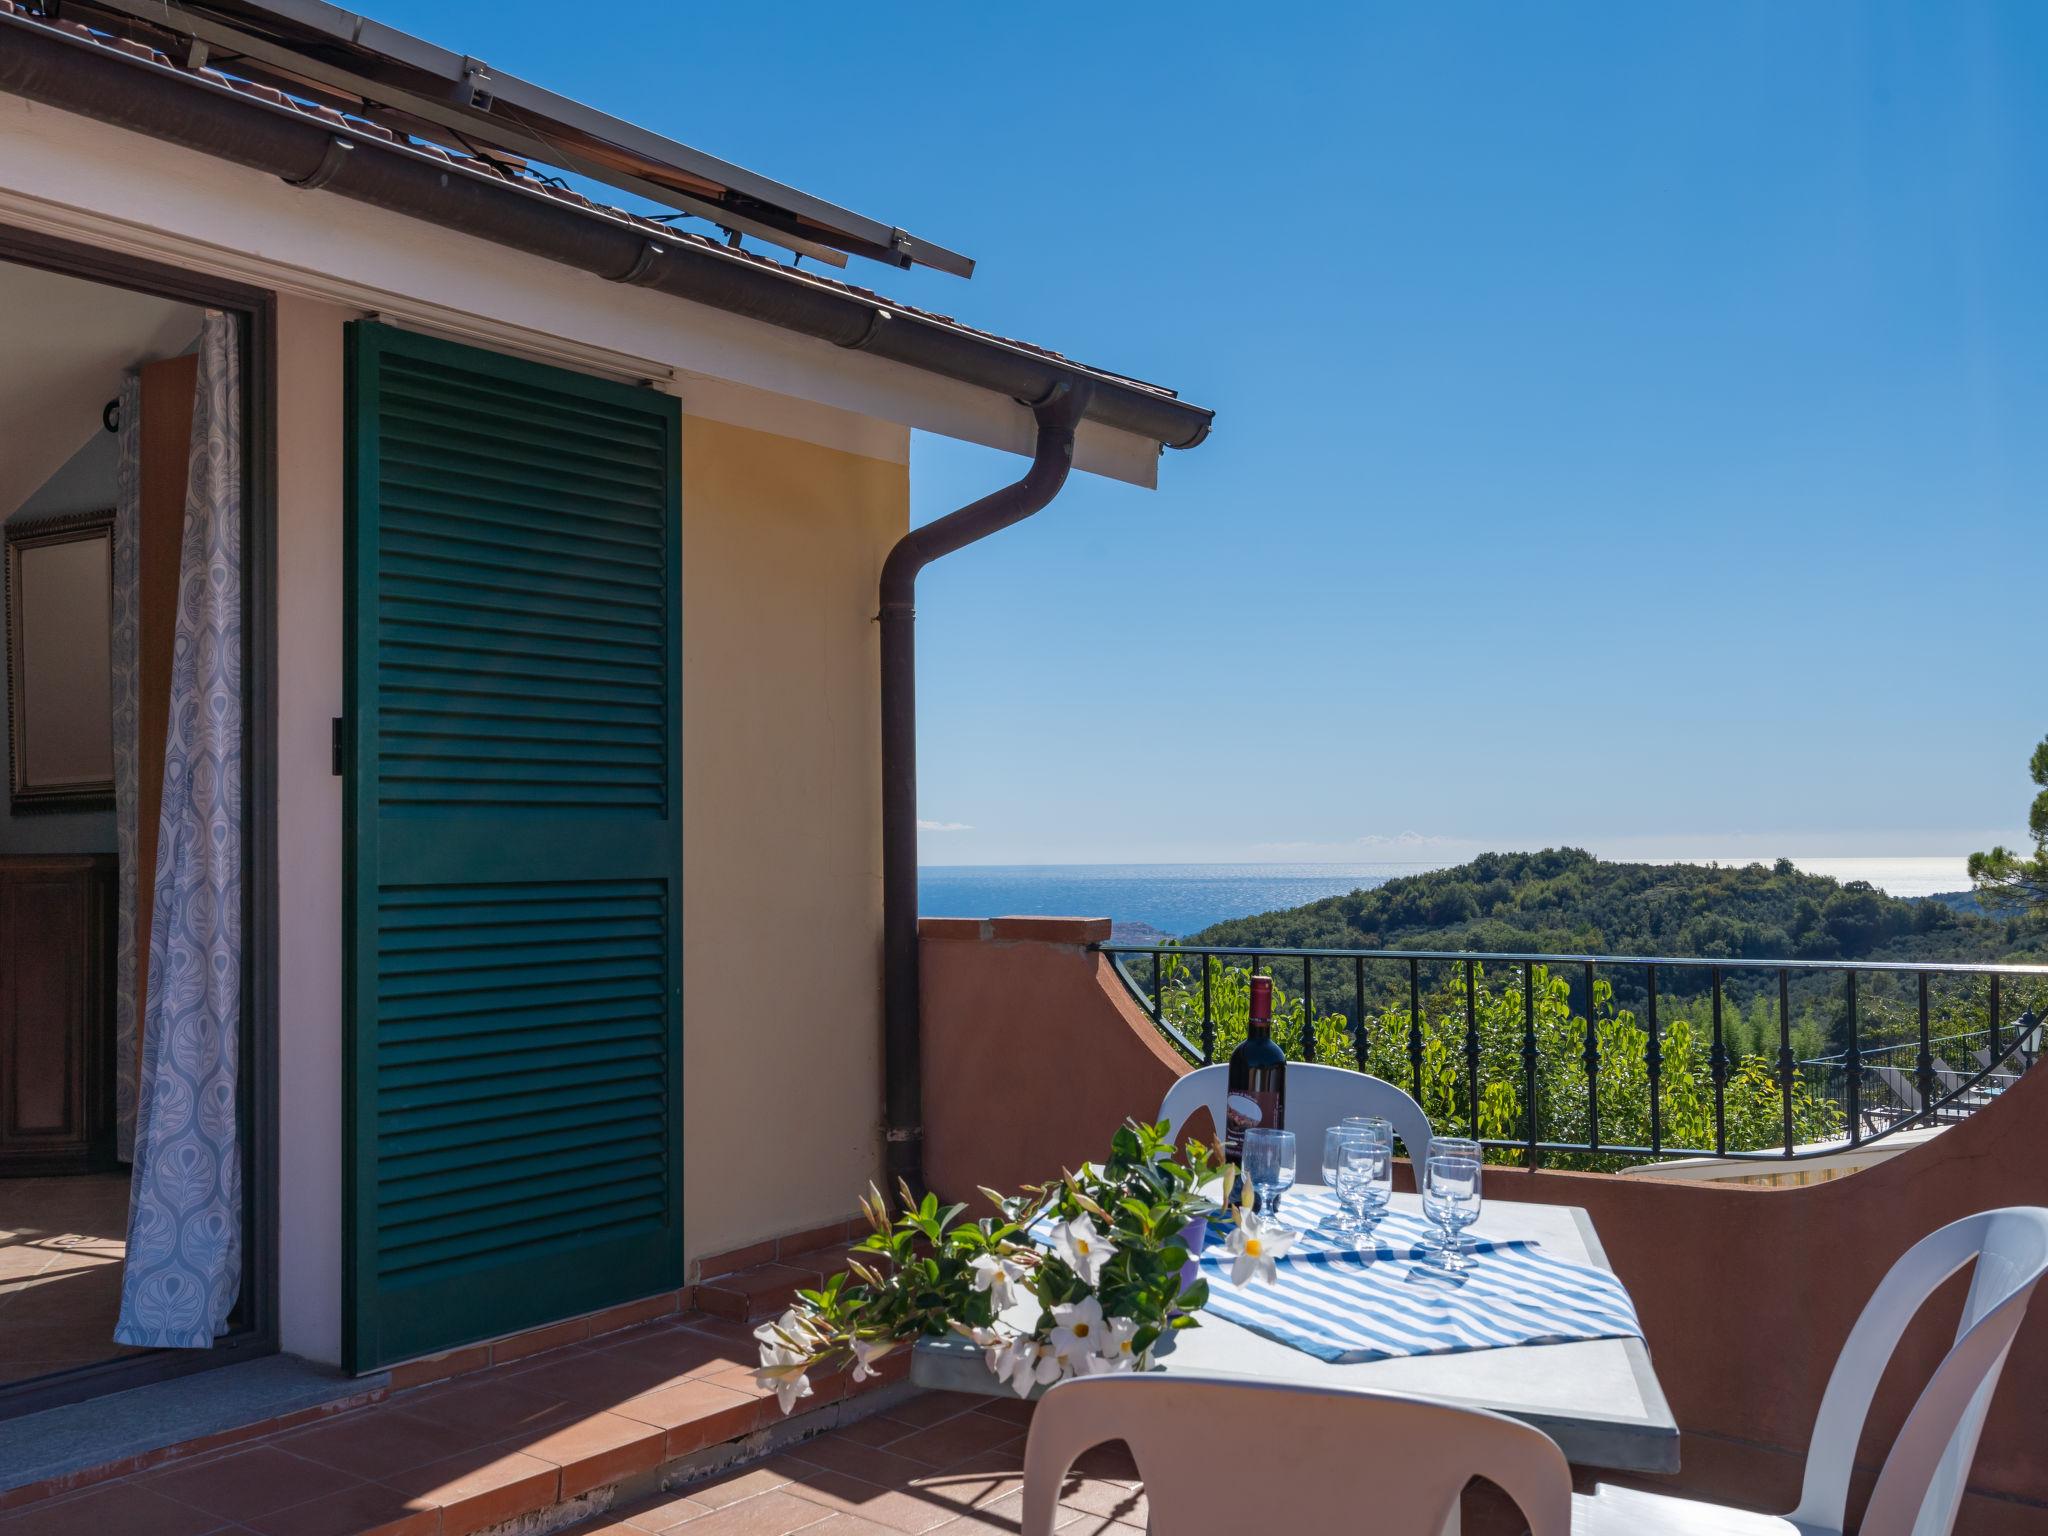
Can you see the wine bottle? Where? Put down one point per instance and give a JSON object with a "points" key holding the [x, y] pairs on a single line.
{"points": [[1255, 1092]]}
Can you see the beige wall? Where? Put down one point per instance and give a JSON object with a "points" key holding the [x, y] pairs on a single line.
{"points": [[309, 551], [782, 543], [782, 891]]}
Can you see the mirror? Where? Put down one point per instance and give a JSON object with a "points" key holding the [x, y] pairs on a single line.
{"points": [[60, 714]]}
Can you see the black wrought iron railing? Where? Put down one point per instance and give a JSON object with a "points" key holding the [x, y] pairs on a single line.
{"points": [[1601, 1060]]}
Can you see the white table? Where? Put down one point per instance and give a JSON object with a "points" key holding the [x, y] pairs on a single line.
{"points": [[1597, 1398]]}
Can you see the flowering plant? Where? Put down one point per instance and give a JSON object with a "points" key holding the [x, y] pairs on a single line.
{"points": [[1101, 1252]]}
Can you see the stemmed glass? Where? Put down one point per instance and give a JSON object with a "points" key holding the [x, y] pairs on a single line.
{"points": [[1347, 1162], [1269, 1164], [1379, 1188], [1450, 1196], [1358, 1165]]}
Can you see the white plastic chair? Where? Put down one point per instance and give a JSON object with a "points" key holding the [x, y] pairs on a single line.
{"points": [[1317, 1098], [1223, 1457], [1921, 1486]]}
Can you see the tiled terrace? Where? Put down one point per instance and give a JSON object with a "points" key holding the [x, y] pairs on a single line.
{"points": [[623, 1434], [937, 1462], [640, 1430], [456, 1456]]}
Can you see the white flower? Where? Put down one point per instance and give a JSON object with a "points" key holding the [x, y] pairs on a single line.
{"points": [[995, 1351], [1030, 1365], [784, 1371], [998, 1276], [1120, 1352], [1079, 1333], [794, 1328], [866, 1352], [787, 1345], [1255, 1247], [1084, 1248]]}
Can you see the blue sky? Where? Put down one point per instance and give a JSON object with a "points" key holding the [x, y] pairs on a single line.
{"points": [[1630, 417]]}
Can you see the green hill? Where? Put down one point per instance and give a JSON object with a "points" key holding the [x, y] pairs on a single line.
{"points": [[1565, 901]]}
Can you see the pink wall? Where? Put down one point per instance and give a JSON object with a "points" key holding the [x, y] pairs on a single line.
{"points": [[1034, 1053]]}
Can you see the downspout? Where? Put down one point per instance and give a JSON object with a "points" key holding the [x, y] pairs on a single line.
{"points": [[1058, 414]]}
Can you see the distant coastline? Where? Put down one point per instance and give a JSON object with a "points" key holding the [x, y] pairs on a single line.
{"points": [[1153, 900]]}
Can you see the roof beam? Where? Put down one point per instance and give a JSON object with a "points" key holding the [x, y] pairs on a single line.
{"points": [[373, 94]]}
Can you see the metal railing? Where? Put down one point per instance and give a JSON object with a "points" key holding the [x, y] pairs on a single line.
{"points": [[1877, 1085]]}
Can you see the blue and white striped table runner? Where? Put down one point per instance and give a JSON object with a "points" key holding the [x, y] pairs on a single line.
{"points": [[1343, 1303]]}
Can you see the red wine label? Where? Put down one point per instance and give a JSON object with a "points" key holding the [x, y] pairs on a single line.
{"points": [[1243, 1111]]}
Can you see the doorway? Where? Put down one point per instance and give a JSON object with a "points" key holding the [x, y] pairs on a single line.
{"points": [[135, 921]]}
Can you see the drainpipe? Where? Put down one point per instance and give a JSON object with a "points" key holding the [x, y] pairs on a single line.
{"points": [[1058, 414]]}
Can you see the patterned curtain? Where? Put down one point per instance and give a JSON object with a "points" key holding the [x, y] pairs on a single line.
{"points": [[127, 577], [184, 1260]]}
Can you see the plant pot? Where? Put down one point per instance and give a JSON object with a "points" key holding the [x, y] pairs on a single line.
{"points": [[1192, 1236]]}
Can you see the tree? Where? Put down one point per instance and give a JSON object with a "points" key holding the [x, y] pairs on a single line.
{"points": [[2003, 877], [1500, 1013]]}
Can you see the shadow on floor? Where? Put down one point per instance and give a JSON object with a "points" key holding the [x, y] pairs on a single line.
{"points": [[61, 1245]]}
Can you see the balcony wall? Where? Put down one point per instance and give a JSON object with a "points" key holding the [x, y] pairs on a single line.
{"points": [[1034, 1053]]}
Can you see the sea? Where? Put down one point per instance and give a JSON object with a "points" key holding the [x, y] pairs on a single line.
{"points": [[1178, 899], [1173, 899]]}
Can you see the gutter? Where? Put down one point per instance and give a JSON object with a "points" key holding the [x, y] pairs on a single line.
{"points": [[1058, 414], [131, 87]]}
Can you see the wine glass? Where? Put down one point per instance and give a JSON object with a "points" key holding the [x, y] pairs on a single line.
{"points": [[1371, 1183], [1269, 1164], [1378, 1191], [1347, 1166], [1450, 1196]]}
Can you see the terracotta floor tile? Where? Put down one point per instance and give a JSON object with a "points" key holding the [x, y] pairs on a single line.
{"points": [[536, 1341], [951, 1441], [599, 1378], [1111, 1460], [490, 1407], [1084, 1524], [761, 1291], [368, 1509], [826, 1260], [898, 1509], [717, 1327], [377, 1441], [1006, 1515], [876, 1429], [244, 1485], [614, 1523], [930, 1407], [775, 1513], [477, 1489], [848, 1525], [742, 1483], [663, 1514], [1099, 1496], [1017, 1410], [683, 1353], [695, 1414], [113, 1509], [863, 1461], [978, 1480], [602, 1449]]}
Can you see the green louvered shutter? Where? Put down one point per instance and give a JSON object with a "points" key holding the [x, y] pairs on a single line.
{"points": [[513, 1068]]}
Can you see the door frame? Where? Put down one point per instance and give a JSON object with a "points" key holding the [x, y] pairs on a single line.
{"points": [[253, 1329]]}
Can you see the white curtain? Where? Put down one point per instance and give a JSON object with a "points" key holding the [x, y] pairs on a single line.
{"points": [[127, 578], [184, 1259]]}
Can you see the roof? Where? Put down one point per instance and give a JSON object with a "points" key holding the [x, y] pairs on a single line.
{"points": [[341, 59], [1123, 400]]}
